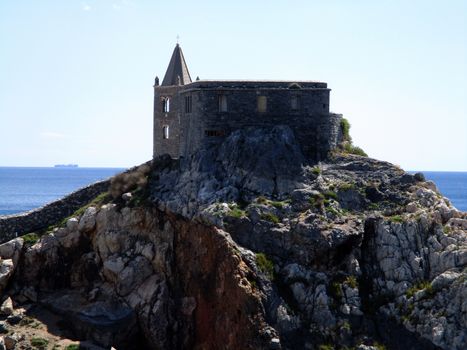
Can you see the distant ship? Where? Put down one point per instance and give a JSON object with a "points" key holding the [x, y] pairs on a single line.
{"points": [[65, 165]]}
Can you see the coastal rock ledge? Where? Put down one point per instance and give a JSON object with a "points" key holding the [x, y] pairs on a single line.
{"points": [[245, 245]]}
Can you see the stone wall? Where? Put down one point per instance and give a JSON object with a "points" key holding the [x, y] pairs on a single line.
{"points": [[12, 226], [316, 129], [170, 119]]}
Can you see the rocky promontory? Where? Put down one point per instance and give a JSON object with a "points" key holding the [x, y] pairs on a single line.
{"points": [[247, 245]]}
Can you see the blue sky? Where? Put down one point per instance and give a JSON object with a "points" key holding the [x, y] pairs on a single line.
{"points": [[76, 76]]}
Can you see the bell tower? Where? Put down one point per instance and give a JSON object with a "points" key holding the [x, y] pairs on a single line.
{"points": [[168, 129]]}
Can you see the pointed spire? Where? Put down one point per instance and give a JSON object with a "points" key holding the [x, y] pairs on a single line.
{"points": [[177, 72]]}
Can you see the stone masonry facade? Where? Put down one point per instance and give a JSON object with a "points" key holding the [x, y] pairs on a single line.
{"points": [[189, 114]]}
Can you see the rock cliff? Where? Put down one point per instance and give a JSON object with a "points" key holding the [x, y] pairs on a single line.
{"points": [[248, 246]]}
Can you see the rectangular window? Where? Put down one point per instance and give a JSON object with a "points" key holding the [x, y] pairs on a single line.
{"points": [[188, 104], [222, 102], [295, 103], [262, 104], [214, 133], [165, 132]]}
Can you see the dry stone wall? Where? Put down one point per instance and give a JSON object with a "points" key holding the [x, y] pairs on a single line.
{"points": [[12, 226]]}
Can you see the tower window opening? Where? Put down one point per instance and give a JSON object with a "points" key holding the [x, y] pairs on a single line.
{"points": [[222, 103], [165, 132], [262, 103], [165, 104]]}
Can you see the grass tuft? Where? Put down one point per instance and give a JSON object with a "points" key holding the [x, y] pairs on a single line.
{"points": [[236, 212], [39, 343], [426, 285], [316, 170], [270, 217], [351, 149], [396, 218], [265, 265], [31, 238], [351, 281]]}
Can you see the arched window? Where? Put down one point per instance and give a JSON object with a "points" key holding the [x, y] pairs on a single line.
{"points": [[222, 102], [165, 132], [165, 104]]}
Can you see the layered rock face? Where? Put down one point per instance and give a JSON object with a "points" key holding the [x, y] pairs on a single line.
{"points": [[247, 246], [121, 275]]}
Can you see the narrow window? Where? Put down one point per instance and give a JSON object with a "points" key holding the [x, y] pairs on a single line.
{"points": [[165, 132], [222, 103], [295, 103], [166, 104], [188, 104], [262, 104]]}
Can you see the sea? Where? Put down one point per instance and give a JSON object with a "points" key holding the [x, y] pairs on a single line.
{"points": [[452, 185], [23, 189]]}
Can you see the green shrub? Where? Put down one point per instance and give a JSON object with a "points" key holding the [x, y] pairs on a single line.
{"points": [[262, 200], [314, 202], [98, 201], [373, 206], [335, 290], [420, 286], [333, 211], [351, 281], [379, 346], [317, 200], [346, 326], [316, 170], [345, 128], [73, 347], [270, 217], [39, 343], [351, 149], [330, 195], [129, 181], [237, 213], [26, 321], [396, 218], [30, 238], [325, 347], [346, 187], [278, 204], [265, 265]]}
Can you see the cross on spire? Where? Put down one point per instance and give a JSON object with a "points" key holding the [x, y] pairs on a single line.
{"points": [[178, 38]]}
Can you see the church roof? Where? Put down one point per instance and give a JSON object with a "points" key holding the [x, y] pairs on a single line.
{"points": [[177, 68]]}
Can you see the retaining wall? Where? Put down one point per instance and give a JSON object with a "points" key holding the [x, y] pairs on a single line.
{"points": [[12, 226]]}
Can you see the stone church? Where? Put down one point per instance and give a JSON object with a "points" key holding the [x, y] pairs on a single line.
{"points": [[189, 113]]}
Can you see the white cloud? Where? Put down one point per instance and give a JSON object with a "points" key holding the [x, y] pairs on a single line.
{"points": [[119, 4], [86, 7], [52, 135]]}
